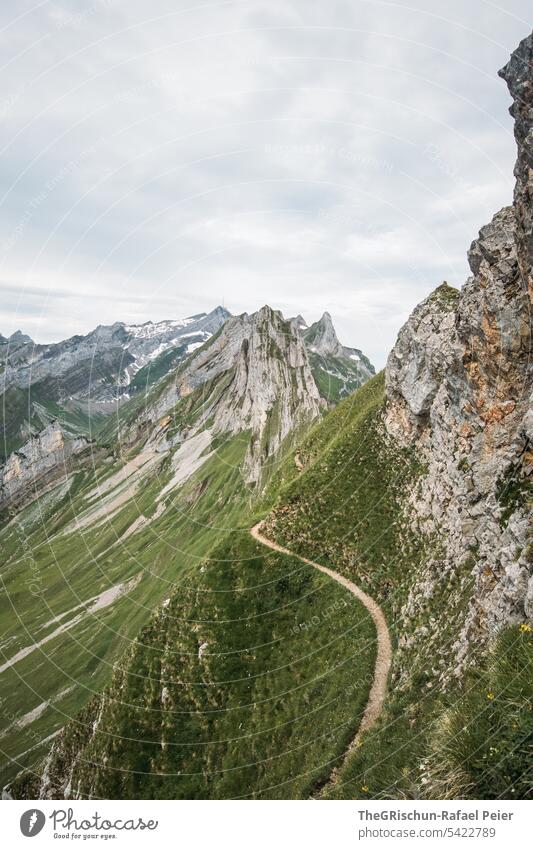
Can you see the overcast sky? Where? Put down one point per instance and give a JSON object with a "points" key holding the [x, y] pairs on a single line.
{"points": [[159, 158]]}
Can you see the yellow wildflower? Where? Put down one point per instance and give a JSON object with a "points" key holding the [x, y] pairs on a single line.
{"points": [[525, 628], [490, 696]]}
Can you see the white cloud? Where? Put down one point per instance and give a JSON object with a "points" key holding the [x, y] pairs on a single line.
{"points": [[315, 156]]}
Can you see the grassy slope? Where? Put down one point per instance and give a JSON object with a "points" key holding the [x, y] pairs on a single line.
{"points": [[263, 712], [46, 573], [305, 628], [335, 378], [345, 509], [482, 743], [348, 508]]}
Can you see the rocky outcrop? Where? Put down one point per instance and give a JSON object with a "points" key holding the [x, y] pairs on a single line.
{"points": [[338, 370], [45, 457], [273, 391], [88, 376], [518, 74], [424, 353], [254, 375], [459, 391], [101, 364]]}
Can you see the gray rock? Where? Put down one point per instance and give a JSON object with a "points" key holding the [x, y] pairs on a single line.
{"points": [[43, 458], [255, 375], [459, 390], [338, 370]]}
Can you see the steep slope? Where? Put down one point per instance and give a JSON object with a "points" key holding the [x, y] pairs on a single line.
{"points": [[79, 379], [337, 370], [102, 540], [443, 541], [83, 568], [236, 688], [252, 375], [26, 472]]}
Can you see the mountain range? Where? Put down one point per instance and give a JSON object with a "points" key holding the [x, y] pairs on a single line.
{"points": [[81, 380], [270, 573]]}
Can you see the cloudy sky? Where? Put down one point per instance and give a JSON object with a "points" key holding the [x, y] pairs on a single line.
{"points": [[161, 158]]}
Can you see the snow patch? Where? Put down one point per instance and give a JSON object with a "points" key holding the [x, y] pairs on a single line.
{"points": [[149, 329]]}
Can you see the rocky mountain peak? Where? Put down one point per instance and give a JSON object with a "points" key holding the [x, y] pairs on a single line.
{"points": [[322, 338], [266, 313], [338, 370], [20, 338], [212, 321], [220, 312], [273, 389], [253, 375], [299, 322]]}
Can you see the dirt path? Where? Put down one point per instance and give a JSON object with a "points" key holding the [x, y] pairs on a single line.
{"points": [[298, 462], [378, 690]]}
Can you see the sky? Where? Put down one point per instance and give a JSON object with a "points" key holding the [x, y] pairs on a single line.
{"points": [[158, 159]]}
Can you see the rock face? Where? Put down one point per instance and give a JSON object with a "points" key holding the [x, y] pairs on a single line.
{"points": [[518, 75], [424, 352], [83, 378], [254, 375], [273, 391], [102, 364], [338, 370], [43, 458], [459, 391]]}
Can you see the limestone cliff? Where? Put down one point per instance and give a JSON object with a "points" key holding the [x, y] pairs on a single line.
{"points": [[337, 370], [459, 391], [45, 457], [254, 375]]}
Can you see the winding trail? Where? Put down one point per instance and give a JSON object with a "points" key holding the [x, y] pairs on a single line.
{"points": [[378, 690]]}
